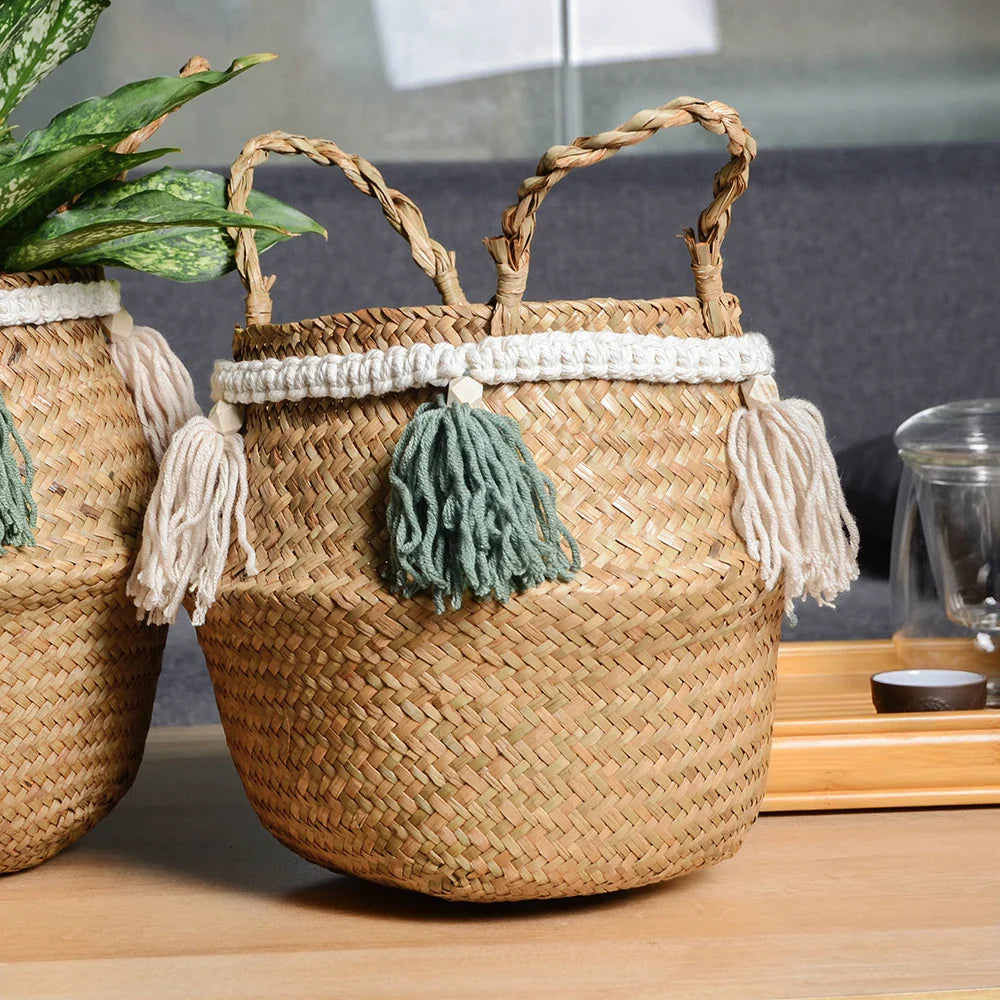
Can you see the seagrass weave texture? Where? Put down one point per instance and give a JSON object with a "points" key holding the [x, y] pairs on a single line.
{"points": [[588, 736], [77, 671]]}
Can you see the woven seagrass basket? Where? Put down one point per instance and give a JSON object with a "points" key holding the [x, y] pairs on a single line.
{"points": [[587, 736], [77, 671]]}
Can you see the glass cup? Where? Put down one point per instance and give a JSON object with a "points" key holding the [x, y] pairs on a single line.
{"points": [[946, 545]]}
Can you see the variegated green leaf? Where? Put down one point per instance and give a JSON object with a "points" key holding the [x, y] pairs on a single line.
{"points": [[185, 254], [129, 108], [81, 229], [8, 146], [35, 37], [29, 192], [31, 189], [179, 254], [205, 187], [20, 183]]}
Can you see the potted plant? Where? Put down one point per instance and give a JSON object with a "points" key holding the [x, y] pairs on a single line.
{"points": [[77, 670]]}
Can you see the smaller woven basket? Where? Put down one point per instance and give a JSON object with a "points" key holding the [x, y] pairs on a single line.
{"points": [[77, 671], [586, 736]]}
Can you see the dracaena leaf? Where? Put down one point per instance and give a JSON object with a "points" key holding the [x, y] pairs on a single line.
{"points": [[129, 108], [143, 215], [31, 189], [35, 37]]}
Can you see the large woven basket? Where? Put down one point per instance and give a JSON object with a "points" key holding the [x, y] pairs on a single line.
{"points": [[587, 736], [77, 671]]}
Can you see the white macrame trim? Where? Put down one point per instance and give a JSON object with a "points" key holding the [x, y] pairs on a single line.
{"points": [[52, 303], [552, 356]]}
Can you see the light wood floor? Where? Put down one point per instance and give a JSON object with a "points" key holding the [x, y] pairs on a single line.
{"points": [[180, 894]]}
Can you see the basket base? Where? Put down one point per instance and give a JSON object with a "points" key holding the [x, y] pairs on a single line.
{"points": [[75, 713], [548, 884]]}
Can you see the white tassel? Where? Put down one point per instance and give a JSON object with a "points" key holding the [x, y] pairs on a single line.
{"points": [[201, 490], [156, 378], [789, 506]]}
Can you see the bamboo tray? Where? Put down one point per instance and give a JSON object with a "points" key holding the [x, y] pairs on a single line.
{"points": [[832, 751]]}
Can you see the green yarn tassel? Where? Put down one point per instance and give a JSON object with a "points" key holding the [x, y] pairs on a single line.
{"points": [[18, 513], [469, 511]]}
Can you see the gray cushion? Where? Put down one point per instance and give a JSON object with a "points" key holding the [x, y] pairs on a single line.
{"points": [[861, 613], [870, 472], [864, 267], [184, 694]]}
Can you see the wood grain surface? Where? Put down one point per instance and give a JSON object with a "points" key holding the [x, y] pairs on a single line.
{"points": [[831, 750], [180, 893]]}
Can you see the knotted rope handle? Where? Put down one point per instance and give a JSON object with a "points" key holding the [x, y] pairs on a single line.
{"points": [[402, 213], [511, 251]]}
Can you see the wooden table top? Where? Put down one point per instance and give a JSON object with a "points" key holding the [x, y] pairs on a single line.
{"points": [[180, 893]]}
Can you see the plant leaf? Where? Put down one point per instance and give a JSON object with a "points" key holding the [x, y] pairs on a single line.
{"points": [[205, 187], [35, 37], [80, 229], [21, 182], [31, 189], [188, 254], [129, 108], [72, 154]]}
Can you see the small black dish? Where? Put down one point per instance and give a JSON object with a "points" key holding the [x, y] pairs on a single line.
{"points": [[928, 691]]}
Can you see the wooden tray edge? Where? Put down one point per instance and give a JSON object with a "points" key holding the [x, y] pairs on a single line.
{"points": [[877, 762]]}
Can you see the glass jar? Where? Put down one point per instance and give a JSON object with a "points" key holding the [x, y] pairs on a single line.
{"points": [[945, 576]]}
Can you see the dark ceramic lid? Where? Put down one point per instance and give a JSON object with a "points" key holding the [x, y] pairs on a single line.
{"points": [[966, 433]]}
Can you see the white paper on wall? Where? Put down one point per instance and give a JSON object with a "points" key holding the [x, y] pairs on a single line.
{"points": [[605, 31], [429, 42]]}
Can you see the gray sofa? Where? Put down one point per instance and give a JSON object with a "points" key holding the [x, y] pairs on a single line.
{"points": [[871, 270]]}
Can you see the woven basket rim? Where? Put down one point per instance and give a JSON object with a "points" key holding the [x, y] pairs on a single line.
{"points": [[50, 276], [257, 335], [436, 310]]}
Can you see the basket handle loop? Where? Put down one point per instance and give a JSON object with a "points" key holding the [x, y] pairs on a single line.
{"points": [[511, 251], [402, 213]]}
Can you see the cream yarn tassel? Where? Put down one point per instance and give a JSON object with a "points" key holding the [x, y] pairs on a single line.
{"points": [[202, 489], [789, 506], [156, 378]]}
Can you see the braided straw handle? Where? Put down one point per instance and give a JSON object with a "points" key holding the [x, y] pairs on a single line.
{"points": [[511, 251], [402, 213]]}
